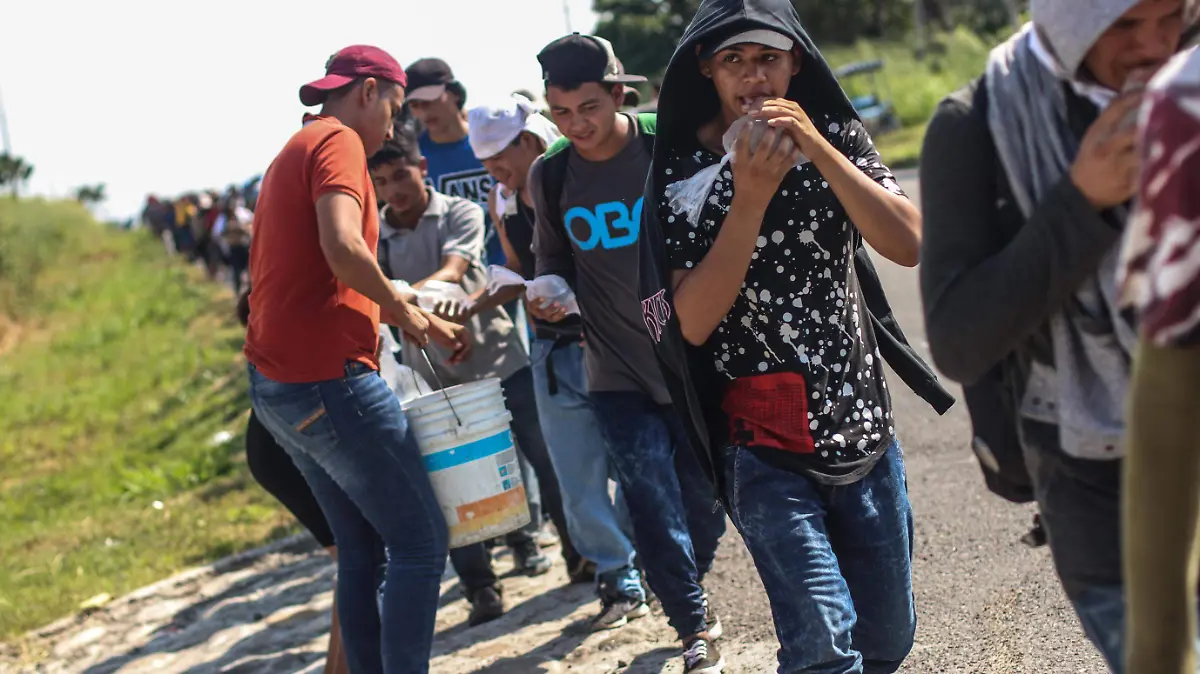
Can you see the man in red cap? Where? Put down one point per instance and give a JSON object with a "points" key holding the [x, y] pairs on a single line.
{"points": [[312, 343]]}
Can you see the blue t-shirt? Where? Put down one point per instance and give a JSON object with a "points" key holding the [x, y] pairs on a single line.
{"points": [[454, 171]]}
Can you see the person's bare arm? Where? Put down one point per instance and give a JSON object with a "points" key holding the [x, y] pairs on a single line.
{"points": [[511, 259], [705, 293], [339, 223], [454, 267], [339, 226], [486, 302], [482, 300], [889, 222]]}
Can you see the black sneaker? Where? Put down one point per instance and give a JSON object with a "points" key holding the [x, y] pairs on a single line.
{"points": [[530, 560], [486, 606], [711, 621], [701, 656], [617, 612]]}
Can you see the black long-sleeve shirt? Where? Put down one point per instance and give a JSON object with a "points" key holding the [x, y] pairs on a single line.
{"points": [[990, 277]]}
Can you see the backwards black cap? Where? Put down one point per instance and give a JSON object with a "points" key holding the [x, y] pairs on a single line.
{"points": [[577, 59]]}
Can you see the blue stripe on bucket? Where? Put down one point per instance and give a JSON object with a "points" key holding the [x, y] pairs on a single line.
{"points": [[472, 451]]}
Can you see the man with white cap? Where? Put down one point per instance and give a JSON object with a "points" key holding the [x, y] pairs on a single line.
{"points": [[507, 138], [1027, 176]]}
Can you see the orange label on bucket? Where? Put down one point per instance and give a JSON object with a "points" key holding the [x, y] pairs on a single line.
{"points": [[492, 506]]}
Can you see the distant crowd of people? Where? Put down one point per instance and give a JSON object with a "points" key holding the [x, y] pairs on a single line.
{"points": [[207, 227]]}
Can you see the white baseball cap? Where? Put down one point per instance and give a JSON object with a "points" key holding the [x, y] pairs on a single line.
{"points": [[492, 128]]}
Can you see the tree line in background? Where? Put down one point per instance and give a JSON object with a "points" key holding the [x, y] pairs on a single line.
{"points": [[14, 172], [644, 32]]}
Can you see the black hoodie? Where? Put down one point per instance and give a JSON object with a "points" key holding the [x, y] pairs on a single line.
{"points": [[687, 101]]}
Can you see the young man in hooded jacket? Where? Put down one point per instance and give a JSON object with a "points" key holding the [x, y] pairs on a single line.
{"points": [[587, 233], [1026, 181], [764, 277]]}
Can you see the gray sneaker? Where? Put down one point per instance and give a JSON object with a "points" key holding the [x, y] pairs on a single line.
{"points": [[702, 657], [618, 612]]}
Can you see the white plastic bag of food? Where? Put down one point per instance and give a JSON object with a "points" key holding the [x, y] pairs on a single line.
{"points": [[404, 381], [548, 288], [434, 292], [687, 197]]}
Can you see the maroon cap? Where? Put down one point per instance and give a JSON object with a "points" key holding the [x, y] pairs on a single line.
{"points": [[348, 65]]}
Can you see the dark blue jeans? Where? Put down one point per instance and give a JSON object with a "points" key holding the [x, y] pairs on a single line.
{"points": [[350, 440], [836, 562], [677, 524], [1080, 505]]}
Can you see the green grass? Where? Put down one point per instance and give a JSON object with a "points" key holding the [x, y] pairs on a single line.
{"points": [[914, 86], [901, 149], [124, 366]]}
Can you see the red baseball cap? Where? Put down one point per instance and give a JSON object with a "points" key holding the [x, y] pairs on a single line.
{"points": [[348, 65]]}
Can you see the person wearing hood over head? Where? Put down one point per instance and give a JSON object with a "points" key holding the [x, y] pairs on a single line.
{"points": [[756, 262], [587, 195], [508, 138], [1027, 175]]}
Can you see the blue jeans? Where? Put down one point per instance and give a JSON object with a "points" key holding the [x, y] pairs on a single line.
{"points": [[350, 440], [676, 522], [600, 527], [836, 562]]}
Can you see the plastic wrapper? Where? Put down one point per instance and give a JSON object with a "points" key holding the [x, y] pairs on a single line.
{"points": [[436, 291], [548, 288], [405, 382], [687, 197]]}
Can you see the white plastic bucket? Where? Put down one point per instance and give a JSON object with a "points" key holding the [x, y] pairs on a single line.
{"points": [[473, 467]]}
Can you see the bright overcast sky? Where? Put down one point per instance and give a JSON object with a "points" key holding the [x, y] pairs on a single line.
{"points": [[174, 95]]}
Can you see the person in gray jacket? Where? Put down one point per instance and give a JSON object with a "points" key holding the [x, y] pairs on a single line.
{"points": [[1026, 178]]}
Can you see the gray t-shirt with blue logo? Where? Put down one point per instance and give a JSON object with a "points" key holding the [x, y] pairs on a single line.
{"points": [[597, 252]]}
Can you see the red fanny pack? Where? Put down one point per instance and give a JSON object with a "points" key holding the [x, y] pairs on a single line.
{"points": [[770, 410]]}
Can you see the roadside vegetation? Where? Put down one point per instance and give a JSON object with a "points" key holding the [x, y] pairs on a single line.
{"points": [[122, 399]]}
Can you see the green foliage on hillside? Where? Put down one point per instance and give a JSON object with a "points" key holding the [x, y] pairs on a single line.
{"points": [[118, 368]]}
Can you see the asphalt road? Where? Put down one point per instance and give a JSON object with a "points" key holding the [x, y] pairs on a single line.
{"points": [[985, 602]]}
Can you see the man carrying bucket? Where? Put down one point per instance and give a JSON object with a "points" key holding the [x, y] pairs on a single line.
{"points": [[311, 346], [428, 238]]}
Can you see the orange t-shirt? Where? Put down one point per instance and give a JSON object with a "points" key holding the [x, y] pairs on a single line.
{"points": [[304, 323]]}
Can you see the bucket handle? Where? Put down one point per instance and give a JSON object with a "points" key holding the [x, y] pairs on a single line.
{"points": [[440, 385]]}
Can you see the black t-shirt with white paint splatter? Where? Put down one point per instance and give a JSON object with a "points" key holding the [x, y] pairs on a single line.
{"points": [[806, 388]]}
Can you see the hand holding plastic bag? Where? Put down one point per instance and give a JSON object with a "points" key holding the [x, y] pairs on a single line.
{"points": [[446, 300], [546, 291], [687, 197]]}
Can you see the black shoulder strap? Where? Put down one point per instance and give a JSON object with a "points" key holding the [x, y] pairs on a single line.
{"points": [[554, 175], [554, 164]]}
